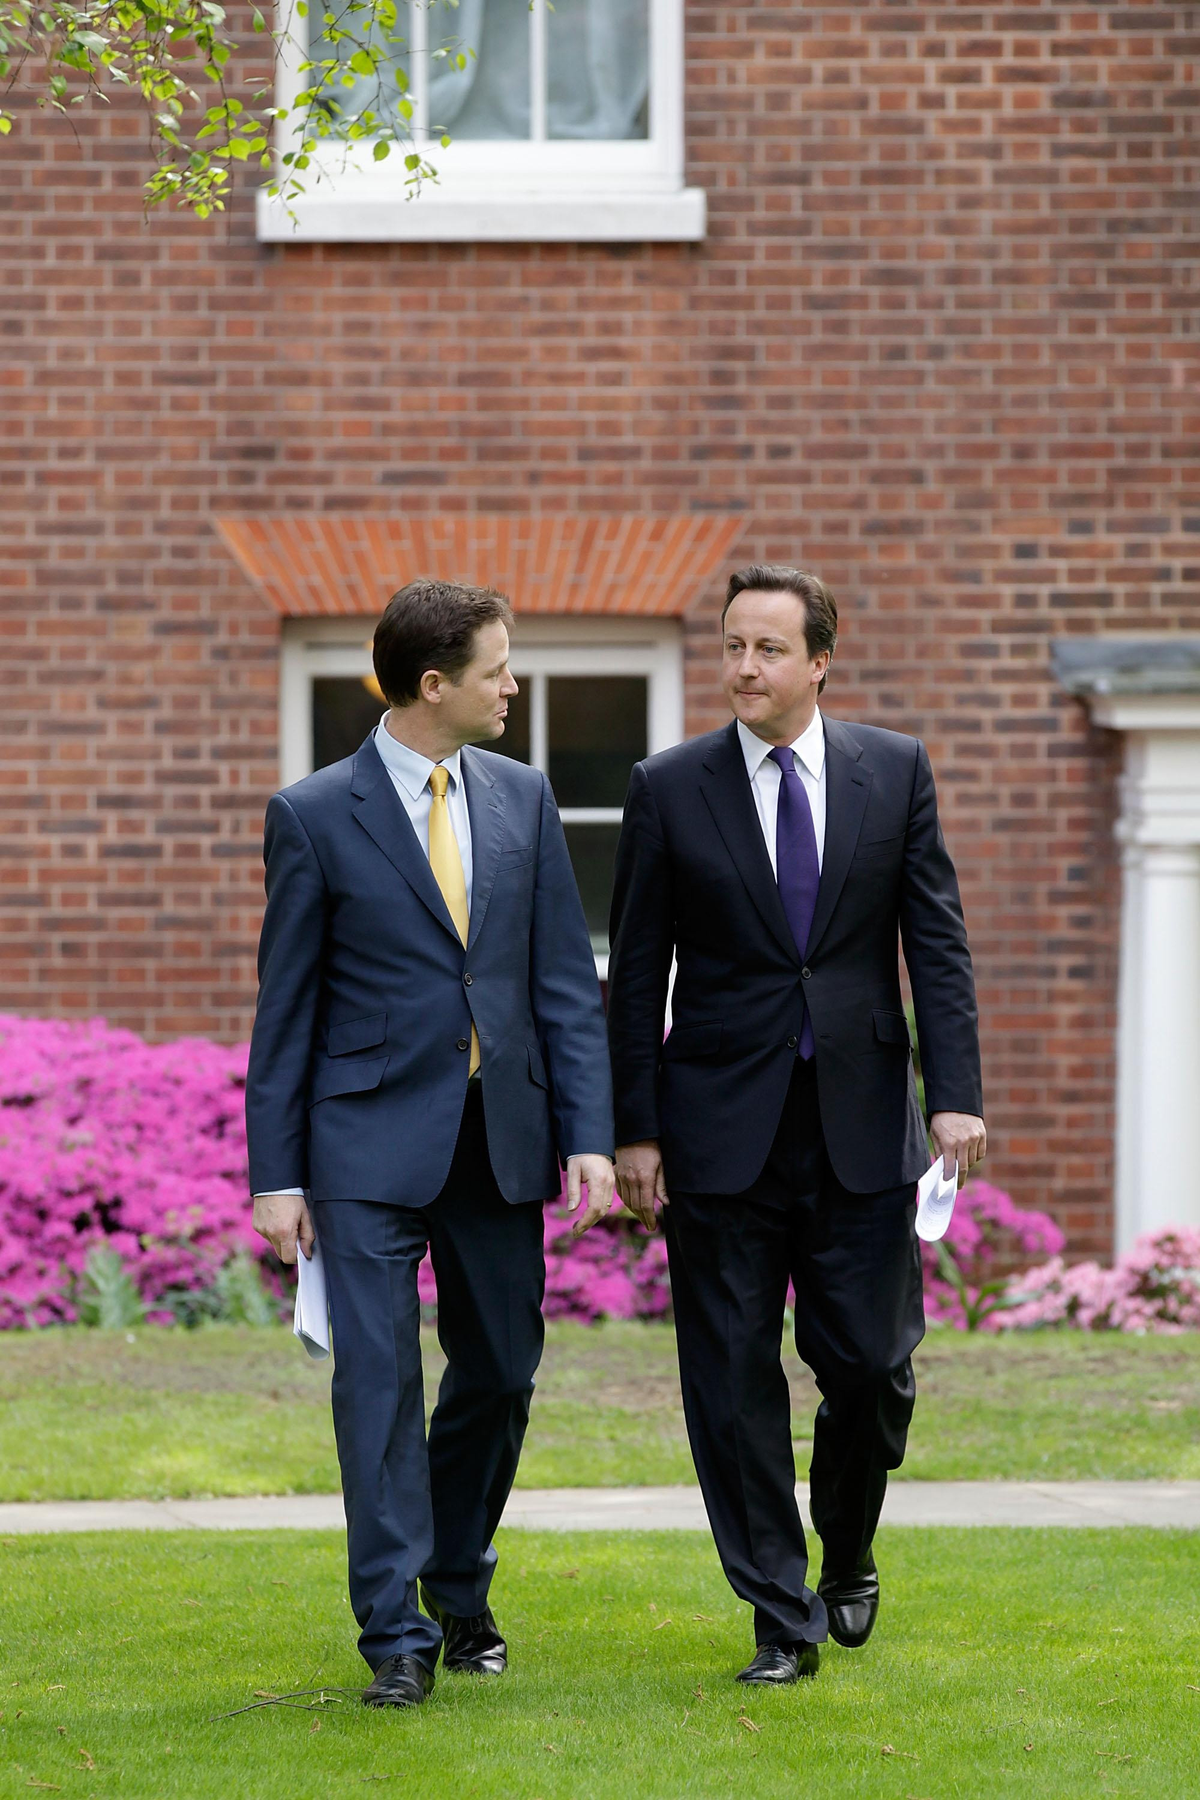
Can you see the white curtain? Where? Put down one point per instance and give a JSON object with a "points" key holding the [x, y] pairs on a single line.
{"points": [[598, 70], [598, 53]]}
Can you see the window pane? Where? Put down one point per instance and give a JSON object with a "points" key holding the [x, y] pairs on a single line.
{"points": [[489, 98], [344, 710], [515, 742], [597, 728], [348, 94], [598, 62], [593, 851]]}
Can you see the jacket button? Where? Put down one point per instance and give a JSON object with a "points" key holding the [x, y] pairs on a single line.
{"points": [[463, 1044], [467, 980], [791, 1044], [806, 972]]}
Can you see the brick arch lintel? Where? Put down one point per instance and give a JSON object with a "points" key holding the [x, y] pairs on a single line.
{"points": [[348, 564]]}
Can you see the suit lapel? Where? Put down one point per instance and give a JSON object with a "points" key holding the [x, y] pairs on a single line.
{"points": [[726, 789], [847, 787], [378, 810], [485, 804]]}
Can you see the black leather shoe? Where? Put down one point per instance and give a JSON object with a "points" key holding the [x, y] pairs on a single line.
{"points": [[852, 1602], [399, 1681], [469, 1646], [775, 1664]]}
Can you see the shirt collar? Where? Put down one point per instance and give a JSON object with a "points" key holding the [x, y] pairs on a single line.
{"points": [[809, 747], [409, 767]]}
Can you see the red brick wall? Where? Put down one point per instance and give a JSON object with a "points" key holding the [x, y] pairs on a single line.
{"points": [[938, 345]]}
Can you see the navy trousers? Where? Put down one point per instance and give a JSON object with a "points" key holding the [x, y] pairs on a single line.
{"points": [[854, 1263], [418, 1510]]}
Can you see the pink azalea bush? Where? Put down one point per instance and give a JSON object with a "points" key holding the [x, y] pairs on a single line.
{"points": [[963, 1285], [110, 1143], [1154, 1287], [106, 1140], [135, 1154]]}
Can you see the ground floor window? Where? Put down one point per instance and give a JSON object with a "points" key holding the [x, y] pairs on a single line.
{"points": [[596, 696]]}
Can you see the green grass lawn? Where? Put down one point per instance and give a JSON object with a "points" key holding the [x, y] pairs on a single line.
{"points": [[227, 1410], [1025, 1663]]}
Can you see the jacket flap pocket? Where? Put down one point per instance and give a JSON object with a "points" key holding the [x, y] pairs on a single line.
{"points": [[689, 1043], [357, 1034], [346, 1078], [537, 1068], [891, 1028], [512, 855]]}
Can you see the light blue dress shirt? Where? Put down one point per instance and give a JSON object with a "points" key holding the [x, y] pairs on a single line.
{"points": [[410, 772]]}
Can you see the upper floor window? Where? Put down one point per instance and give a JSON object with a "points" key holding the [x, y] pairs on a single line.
{"points": [[565, 121]]}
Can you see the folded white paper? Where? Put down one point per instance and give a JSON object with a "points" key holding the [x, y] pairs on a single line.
{"points": [[312, 1305], [935, 1202]]}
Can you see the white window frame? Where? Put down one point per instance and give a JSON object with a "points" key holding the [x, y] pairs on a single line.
{"points": [[541, 647], [540, 190]]}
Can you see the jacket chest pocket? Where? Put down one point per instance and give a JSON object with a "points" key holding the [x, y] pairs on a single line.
{"points": [[515, 857]]}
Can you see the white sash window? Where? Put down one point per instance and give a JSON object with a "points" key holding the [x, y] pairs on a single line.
{"points": [[565, 120]]}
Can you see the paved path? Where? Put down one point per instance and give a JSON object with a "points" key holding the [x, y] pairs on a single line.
{"points": [[1160, 1503]]}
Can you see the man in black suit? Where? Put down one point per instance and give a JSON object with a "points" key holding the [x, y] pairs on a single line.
{"points": [[779, 860]]}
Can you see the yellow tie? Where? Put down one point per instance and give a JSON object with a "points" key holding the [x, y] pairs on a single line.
{"points": [[446, 862]]}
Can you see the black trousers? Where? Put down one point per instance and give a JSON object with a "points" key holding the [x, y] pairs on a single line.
{"points": [[854, 1263], [416, 1509]]}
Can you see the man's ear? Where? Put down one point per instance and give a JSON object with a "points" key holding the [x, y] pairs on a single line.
{"points": [[430, 687]]}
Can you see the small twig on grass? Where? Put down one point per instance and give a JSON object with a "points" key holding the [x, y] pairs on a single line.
{"points": [[327, 1697]]}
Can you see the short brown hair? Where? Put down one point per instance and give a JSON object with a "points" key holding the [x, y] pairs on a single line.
{"points": [[430, 624], [820, 607]]}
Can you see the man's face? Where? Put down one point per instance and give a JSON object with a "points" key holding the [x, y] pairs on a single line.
{"points": [[770, 681], [474, 708]]}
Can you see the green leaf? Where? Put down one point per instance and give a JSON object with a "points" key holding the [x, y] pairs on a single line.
{"points": [[362, 62], [382, 150]]}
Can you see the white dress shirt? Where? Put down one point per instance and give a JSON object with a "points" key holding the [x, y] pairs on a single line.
{"points": [[766, 775], [410, 772]]}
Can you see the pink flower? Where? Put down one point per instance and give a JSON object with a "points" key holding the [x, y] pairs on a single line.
{"points": [[1153, 1287]]}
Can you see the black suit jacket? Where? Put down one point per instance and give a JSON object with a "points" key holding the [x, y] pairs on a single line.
{"points": [[694, 880]]}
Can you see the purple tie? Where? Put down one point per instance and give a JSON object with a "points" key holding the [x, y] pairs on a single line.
{"points": [[797, 869]]}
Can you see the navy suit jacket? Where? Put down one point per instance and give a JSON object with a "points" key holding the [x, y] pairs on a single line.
{"points": [[694, 879], [359, 1054]]}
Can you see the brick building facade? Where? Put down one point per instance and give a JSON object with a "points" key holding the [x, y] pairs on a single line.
{"points": [[938, 343]]}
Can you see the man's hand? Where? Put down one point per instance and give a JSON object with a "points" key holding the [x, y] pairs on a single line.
{"points": [[596, 1174], [283, 1220], [640, 1180], [959, 1138]]}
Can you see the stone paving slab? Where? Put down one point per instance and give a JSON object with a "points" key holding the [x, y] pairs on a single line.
{"points": [[1029, 1503]]}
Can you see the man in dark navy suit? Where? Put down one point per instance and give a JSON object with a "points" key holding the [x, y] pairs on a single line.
{"points": [[781, 861], [429, 1043]]}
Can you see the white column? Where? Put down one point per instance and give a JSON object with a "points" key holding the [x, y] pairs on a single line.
{"points": [[1158, 1042]]}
